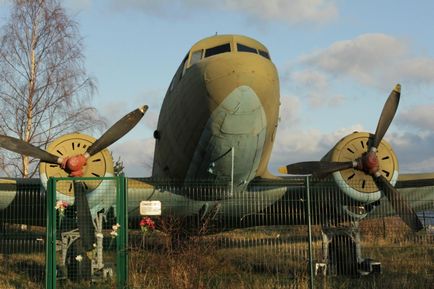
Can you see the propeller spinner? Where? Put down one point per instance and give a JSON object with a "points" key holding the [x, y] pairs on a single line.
{"points": [[368, 163]]}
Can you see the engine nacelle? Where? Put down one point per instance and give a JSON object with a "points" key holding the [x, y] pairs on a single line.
{"points": [[356, 184], [98, 165]]}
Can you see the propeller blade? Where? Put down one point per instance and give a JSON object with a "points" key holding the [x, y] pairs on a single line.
{"points": [[27, 149], [387, 115], [84, 217], [401, 206], [317, 168], [118, 130]]}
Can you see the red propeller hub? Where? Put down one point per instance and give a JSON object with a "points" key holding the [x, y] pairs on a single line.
{"points": [[74, 165], [369, 163]]}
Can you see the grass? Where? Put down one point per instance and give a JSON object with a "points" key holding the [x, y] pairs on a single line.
{"points": [[277, 258], [22, 271], [272, 257]]}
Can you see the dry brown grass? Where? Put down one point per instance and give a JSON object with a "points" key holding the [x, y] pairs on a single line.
{"points": [[22, 271], [252, 258], [277, 258]]}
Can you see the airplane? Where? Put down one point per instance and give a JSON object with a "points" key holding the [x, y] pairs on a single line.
{"points": [[213, 143]]}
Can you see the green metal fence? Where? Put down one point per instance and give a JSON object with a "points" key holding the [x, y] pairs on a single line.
{"points": [[255, 239], [268, 236], [106, 262]]}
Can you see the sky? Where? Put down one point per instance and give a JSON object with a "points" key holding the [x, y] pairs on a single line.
{"points": [[337, 62]]}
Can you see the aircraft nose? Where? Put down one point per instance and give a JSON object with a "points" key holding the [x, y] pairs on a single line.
{"points": [[229, 72], [243, 112]]}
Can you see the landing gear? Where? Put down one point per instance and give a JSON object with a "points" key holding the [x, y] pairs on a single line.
{"points": [[342, 252], [79, 265]]}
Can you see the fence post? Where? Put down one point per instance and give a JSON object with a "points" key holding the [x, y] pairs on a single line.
{"points": [[309, 228], [122, 238], [50, 245]]}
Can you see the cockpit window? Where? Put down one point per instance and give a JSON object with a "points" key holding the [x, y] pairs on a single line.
{"points": [[245, 48], [218, 49], [264, 53], [196, 57]]}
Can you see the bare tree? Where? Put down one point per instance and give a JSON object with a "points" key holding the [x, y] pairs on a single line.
{"points": [[44, 88]]}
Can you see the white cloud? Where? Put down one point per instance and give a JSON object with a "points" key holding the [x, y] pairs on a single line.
{"points": [[414, 150], [299, 143], [151, 119], [424, 165], [315, 86], [291, 12], [376, 60], [420, 117], [310, 78], [115, 110], [295, 144], [418, 70], [289, 114], [137, 156]]}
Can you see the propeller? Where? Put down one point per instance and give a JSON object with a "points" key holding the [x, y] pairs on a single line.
{"points": [[407, 214], [74, 165], [84, 218], [118, 130], [386, 117], [27, 149], [316, 168], [367, 163]]}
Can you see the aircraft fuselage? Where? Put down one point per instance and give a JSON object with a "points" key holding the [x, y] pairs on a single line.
{"points": [[219, 115]]}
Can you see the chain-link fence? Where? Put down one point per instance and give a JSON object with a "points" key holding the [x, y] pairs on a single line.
{"points": [[294, 233]]}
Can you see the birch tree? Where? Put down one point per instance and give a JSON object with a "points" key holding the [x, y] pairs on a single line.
{"points": [[44, 88]]}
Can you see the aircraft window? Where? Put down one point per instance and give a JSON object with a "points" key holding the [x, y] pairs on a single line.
{"points": [[245, 48], [264, 53], [184, 65], [196, 57], [179, 73], [218, 49]]}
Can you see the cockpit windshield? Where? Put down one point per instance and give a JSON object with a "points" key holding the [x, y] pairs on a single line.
{"points": [[245, 48], [198, 55], [217, 50]]}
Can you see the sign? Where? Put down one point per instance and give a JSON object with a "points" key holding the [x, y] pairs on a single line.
{"points": [[150, 208]]}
